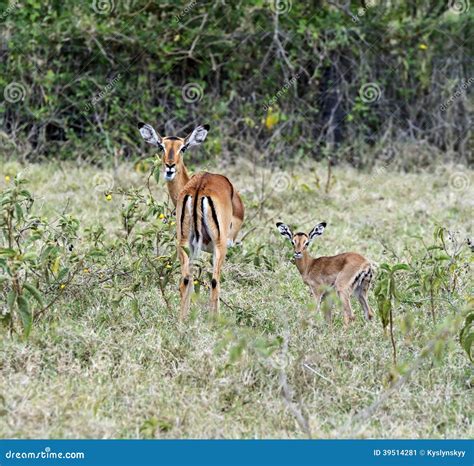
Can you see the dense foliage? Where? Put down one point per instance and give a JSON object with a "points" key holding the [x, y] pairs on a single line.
{"points": [[280, 79]]}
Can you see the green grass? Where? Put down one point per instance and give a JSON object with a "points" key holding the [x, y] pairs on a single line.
{"points": [[90, 369]]}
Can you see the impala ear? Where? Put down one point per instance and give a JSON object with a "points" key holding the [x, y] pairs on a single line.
{"points": [[284, 230], [317, 230], [150, 135], [197, 136]]}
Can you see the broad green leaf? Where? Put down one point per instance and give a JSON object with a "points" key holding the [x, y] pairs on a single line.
{"points": [[466, 336], [34, 292], [55, 266], [397, 267], [7, 252], [11, 298], [25, 314]]}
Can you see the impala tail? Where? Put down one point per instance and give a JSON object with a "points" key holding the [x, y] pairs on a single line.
{"points": [[199, 222]]}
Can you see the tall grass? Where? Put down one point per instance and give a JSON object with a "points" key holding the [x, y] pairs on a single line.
{"points": [[269, 366]]}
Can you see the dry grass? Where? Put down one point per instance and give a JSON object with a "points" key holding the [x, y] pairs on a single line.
{"points": [[90, 370]]}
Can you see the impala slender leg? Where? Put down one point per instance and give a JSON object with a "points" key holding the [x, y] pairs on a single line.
{"points": [[369, 315], [220, 250], [186, 285], [234, 231], [361, 293], [318, 297], [346, 303]]}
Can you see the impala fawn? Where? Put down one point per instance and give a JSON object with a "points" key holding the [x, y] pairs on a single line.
{"points": [[348, 273], [209, 210]]}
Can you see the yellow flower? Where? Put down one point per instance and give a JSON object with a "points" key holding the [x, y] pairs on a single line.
{"points": [[271, 119], [423, 47], [196, 282], [62, 286], [86, 270], [108, 197], [161, 216], [173, 224], [168, 266], [7, 178]]}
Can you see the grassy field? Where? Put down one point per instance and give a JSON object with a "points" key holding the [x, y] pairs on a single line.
{"points": [[269, 366]]}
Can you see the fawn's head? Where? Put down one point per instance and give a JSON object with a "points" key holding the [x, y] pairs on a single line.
{"points": [[300, 240], [173, 147]]}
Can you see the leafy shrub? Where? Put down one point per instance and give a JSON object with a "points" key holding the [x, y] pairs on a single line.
{"points": [[80, 78]]}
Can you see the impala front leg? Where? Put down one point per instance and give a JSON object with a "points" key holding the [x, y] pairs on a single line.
{"points": [[318, 294]]}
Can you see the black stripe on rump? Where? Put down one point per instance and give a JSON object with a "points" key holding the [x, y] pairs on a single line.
{"points": [[214, 216], [183, 209]]}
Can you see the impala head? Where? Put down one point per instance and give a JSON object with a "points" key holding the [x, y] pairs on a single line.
{"points": [[300, 240], [172, 146]]}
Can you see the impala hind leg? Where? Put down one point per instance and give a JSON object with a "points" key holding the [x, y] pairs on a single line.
{"points": [[368, 313], [234, 231], [361, 293], [186, 286], [220, 250]]}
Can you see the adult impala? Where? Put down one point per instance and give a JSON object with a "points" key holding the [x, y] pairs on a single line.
{"points": [[175, 173], [348, 273], [209, 210]]}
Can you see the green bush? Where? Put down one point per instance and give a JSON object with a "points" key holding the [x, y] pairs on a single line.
{"points": [[288, 78]]}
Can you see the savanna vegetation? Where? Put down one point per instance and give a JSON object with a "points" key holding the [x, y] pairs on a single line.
{"points": [[96, 349], [355, 113]]}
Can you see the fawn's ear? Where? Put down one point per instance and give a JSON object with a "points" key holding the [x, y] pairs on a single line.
{"points": [[317, 230], [284, 230], [197, 136], [150, 135]]}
